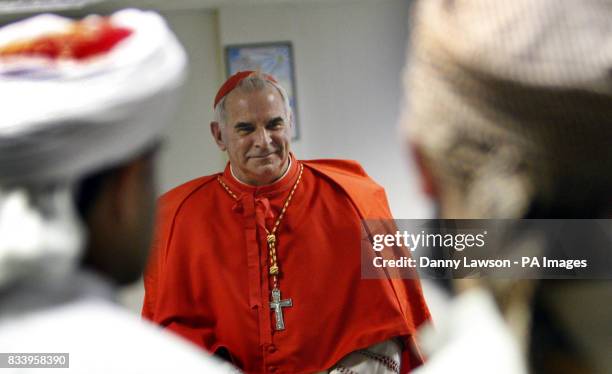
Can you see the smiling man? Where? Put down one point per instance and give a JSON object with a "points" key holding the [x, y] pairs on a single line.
{"points": [[260, 264], [257, 139]]}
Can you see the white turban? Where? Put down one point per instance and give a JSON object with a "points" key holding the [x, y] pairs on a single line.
{"points": [[510, 99], [65, 117]]}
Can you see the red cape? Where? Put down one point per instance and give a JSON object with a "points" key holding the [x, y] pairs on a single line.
{"points": [[207, 276]]}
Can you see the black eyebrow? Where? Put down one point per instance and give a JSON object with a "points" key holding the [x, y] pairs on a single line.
{"points": [[243, 125], [276, 120]]}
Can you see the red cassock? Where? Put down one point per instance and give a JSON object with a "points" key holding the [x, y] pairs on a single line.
{"points": [[207, 279]]}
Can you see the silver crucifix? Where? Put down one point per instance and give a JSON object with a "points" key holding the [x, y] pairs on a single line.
{"points": [[277, 305]]}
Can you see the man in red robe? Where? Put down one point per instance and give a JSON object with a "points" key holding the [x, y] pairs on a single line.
{"points": [[261, 263]]}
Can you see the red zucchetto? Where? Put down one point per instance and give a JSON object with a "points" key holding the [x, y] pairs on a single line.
{"points": [[233, 81]]}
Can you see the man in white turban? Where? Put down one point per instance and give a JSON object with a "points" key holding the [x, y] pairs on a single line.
{"points": [[83, 106], [510, 115]]}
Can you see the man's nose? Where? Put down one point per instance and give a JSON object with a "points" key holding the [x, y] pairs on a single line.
{"points": [[262, 138]]}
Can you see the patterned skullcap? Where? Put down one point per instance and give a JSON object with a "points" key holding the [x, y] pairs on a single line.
{"points": [[513, 99]]}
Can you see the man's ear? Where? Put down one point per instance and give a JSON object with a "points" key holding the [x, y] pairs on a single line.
{"points": [[215, 130], [121, 221], [126, 188], [428, 184]]}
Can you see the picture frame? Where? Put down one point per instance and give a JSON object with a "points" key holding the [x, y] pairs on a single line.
{"points": [[274, 58]]}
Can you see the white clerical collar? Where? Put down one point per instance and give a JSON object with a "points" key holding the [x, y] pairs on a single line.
{"points": [[246, 184]]}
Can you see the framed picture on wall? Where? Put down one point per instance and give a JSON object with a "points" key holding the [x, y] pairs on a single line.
{"points": [[274, 58]]}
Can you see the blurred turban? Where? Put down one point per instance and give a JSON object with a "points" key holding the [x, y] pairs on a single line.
{"points": [[78, 97], [511, 101]]}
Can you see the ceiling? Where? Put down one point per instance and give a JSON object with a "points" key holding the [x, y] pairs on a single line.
{"points": [[25, 6]]}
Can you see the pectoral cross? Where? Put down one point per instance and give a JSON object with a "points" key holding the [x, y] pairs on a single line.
{"points": [[277, 305]]}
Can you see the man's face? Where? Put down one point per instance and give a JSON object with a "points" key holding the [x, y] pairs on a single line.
{"points": [[256, 135]]}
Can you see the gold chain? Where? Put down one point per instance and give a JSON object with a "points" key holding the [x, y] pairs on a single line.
{"points": [[271, 235]]}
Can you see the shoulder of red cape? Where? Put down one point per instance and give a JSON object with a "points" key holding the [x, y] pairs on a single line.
{"points": [[367, 196]]}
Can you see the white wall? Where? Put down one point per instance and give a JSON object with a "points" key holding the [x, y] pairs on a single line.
{"points": [[189, 150], [349, 57]]}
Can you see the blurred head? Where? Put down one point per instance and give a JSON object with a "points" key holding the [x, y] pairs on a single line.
{"points": [[509, 114], [506, 123], [253, 125]]}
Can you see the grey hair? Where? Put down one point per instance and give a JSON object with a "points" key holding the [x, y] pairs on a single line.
{"points": [[255, 82]]}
